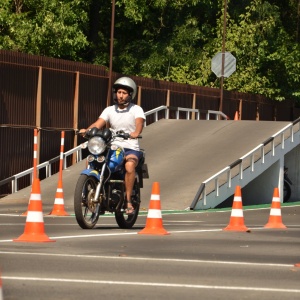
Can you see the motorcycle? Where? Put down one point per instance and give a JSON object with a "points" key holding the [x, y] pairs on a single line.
{"points": [[287, 191], [101, 187]]}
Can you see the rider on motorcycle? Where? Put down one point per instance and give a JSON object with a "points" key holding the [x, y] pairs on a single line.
{"points": [[129, 117]]}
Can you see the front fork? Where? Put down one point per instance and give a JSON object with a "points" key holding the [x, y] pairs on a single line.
{"points": [[100, 184]]}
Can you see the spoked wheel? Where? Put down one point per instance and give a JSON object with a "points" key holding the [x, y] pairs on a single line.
{"points": [[86, 210], [127, 221]]}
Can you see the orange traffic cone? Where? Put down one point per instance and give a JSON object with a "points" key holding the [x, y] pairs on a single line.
{"points": [[275, 220], [154, 224], [31, 195], [34, 227], [1, 293], [297, 265], [237, 219], [59, 207], [236, 116]]}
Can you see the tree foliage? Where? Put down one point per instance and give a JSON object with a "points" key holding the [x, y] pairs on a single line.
{"points": [[43, 27], [166, 39], [265, 53]]}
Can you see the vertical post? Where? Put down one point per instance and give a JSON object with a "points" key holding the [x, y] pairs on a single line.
{"points": [[281, 178], [167, 104], [61, 157], [274, 112], [75, 114], [223, 57], [139, 99], [257, 111], [194, 106], [168, 98], [35, 152], [38, 108], [111, 52], [240, 109]]}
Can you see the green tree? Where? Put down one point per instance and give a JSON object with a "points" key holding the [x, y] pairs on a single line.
{"points": [[267, 56], [152, 39], [166, 39], [44, 27]]}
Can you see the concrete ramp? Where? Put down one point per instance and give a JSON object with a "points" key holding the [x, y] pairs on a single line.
{"points": [[180, 155]]}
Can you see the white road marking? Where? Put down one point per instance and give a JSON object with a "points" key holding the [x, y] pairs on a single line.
{"points": [[150, 259], [117, 234], [155, 284]]}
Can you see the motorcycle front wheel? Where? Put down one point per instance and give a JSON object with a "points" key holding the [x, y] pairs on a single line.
{"points": [[127, 221], [86, 210]]}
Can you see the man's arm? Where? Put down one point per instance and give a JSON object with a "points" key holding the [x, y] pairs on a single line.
{"points": [[99, 124], [139, 124]]}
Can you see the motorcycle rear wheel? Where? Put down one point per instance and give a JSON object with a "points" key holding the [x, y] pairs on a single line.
{"points": [[86, 211], [127, 221]]}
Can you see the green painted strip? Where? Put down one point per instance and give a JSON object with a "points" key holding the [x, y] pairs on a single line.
{"points": [[248, 207]]}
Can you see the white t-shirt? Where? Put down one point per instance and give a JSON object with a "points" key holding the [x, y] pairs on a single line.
{"points": [[124, 119]]}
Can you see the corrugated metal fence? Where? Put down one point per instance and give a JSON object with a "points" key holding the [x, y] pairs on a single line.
{"points": [[54, 95]]}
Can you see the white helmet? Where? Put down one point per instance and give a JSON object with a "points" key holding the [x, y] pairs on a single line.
{"points": [[127, 84]]}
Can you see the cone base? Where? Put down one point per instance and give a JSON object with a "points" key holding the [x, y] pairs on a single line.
{"points": [[154, 231], [58, 213], [236, 228], [275, 225], [297, 265], [40, 238]]}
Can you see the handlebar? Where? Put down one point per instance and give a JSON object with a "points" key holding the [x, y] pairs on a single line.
{"points": [[93, 131], [124, 135]]}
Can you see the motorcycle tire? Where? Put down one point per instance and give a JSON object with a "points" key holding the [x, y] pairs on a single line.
{"points": [[286, 192], [127, 221], [86, 211]]}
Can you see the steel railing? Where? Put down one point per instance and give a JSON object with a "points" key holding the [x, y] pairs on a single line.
{"points": [[78, 150], [47, 165], [213, 184], [208, 113]]}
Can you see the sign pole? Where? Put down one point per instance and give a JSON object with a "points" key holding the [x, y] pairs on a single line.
{"points": [[223, 57], [111, 53]]}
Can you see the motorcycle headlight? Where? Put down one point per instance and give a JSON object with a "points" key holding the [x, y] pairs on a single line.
{"points": [[96, 145]]}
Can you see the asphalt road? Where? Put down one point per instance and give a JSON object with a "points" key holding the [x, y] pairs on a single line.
{"points": [[198, 259]]}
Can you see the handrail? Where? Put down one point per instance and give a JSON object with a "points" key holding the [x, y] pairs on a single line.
{"points": [[198, 112], [78, 150], [202, 191], [47, 165]]}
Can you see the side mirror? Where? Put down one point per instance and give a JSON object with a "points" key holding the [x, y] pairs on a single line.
{"points": [[93, 131], [106, 134]]}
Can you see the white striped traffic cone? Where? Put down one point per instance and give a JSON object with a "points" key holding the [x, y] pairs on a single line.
{"points": [[237, 218], [275, 220], [59, 205], [1, 292], [34, 227], [154, 224]]}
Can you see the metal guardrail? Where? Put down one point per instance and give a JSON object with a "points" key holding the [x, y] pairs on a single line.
{"points": [[246, 161], [47, 165], [78, 150], [218, 114]]}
